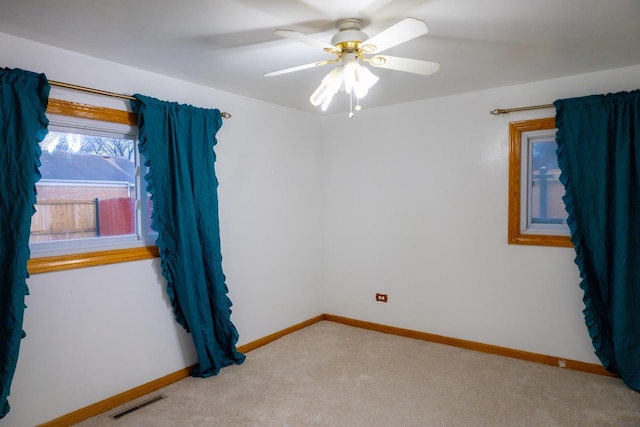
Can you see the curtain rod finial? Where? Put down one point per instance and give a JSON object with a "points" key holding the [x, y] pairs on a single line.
{"points": [[225, 115]]}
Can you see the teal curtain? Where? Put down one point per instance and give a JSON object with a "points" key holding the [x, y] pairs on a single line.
{"points": [[177, 142], [23, 124], [599, 156]]}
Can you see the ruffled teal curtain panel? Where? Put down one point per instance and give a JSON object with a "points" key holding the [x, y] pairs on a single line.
{"points": [[177, 142], [23, 124], [599, 156]]}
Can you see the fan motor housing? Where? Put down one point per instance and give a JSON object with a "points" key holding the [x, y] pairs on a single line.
{"points": [[350, 31]]}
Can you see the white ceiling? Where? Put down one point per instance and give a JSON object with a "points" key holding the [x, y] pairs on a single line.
{"points": [[229, 44]]}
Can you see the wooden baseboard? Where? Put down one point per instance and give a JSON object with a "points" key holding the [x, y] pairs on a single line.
{"points": [[270, 338], [137, 392], [129, 395], [471, 345], [117, 400]]}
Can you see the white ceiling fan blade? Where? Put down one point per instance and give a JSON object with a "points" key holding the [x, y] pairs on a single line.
{"points": [[416, 66], [297, 68], [294, 35], [403, 31]]}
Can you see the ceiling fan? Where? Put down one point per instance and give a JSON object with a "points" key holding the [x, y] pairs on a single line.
{"points": [[352, 48]]}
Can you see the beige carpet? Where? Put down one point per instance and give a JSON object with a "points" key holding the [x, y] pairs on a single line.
{"points": [[334, 375]]}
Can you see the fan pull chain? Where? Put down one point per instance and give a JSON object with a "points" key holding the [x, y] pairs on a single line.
{"points": [[358, 107], [351, 105]]}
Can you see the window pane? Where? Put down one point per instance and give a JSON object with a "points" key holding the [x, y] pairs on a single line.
{"points": [[87, 187], [546, 205]]}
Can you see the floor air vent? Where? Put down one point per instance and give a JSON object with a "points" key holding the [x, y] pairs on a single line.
{"points": [[138, 406]]}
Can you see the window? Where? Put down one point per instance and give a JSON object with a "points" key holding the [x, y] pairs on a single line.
{"points": [[536, 210], [91, 208]]}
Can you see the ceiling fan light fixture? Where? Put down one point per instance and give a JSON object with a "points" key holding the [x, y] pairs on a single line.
{"points": [[366, 81], [352, 47], [327, 101], [351, 73], [357, 78], [329, 86]]}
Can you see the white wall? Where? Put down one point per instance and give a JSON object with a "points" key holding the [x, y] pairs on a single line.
{"points": [[96, 332], [416, 207]]}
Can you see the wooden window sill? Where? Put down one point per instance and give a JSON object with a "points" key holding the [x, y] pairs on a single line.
{"points": [[90, 259]]}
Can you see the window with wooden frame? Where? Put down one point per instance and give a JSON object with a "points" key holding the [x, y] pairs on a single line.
{"points": [[91, 208], [537, 214]]}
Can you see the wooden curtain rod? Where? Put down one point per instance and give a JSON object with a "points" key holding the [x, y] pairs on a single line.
{"points": [[224, 114], [499, 111]]}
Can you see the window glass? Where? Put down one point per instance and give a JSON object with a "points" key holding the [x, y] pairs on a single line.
{"points": [[545, 206], [89, 196], [87, 189]]}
